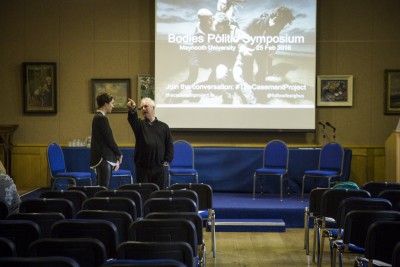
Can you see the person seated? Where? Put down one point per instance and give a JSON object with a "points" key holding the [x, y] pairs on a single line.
{"points": [[8, 191]]}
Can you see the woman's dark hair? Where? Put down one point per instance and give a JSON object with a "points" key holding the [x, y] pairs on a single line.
{"points": [[103, 98]]}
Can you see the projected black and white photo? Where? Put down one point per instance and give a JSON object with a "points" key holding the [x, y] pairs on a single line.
{"points": [[236, 55]]}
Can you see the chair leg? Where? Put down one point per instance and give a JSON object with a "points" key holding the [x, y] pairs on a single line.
{"points": [[213, 237], [306, 229], [281, 177], [197, 178], [302, 189], [254, 185]]}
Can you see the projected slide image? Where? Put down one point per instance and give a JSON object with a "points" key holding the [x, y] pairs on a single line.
{"points": [[226, 53]]}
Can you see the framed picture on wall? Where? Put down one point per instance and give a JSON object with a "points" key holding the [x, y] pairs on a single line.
{"points": [[335, 90], [39, 87], [146, 87], [392, 92], [120, 89]]}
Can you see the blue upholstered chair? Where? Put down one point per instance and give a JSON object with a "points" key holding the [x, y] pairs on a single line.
{"points": [[330, 166], [122, 175], [183, 162], [58, 171], [275, 163]]}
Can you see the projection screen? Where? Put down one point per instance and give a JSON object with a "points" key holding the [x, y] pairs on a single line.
{"points": [[236, 65]]}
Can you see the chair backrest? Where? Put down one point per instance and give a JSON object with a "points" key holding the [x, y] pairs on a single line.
{"points": [[332, 157], [85, 251], [359, 203], [88, 190], [180, 251], [204, 192], [7, 248], [122, 220], [276, 155], [315, 199], [183, 155], [164, 230], [374, 188], [194, 217], [393, 195], [45, 205], [103, 230], [144, 189], [169, 205], [185, 193], [38, 261], [21, 232], [111, 203], [44, 220], [382, 237], [131, 194], [357, 222], [55, 158], [3, 210], [75, 196], [396, 255], [143, 263], [331, 199]]}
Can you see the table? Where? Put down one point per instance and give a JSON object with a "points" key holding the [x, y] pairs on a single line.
{"points": [[227, 169]]}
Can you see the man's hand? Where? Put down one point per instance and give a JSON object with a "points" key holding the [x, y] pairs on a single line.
{"points": [[116, 167], [131, 104]]}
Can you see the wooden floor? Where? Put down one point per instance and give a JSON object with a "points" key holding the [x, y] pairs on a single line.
{"points": [[263, 249]]}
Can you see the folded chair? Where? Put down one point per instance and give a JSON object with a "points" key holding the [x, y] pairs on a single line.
{"points": [[144, 263], [45, 205], [165, 230], [179, 251], [58, 261], [169, 205], [44, 220], [393, 195], [195, 218], [206, 211], [21, 232], [131, 194], [75, 196], [374, 187], [88, 190], [112, 204], [144, 189], [312, 212], [89, 252], [186, 193], [7, 248], [275, 163], [103, 230], [122, 220], [58, 170], [382, 237]]}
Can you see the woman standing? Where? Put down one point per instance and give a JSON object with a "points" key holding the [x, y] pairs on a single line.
{"points": [[105, 156]]}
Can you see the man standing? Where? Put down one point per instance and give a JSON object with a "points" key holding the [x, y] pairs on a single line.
{"points": [[154, 148]]}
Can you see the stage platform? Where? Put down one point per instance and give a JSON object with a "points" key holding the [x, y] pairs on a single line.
{"points": [[238, 212]]}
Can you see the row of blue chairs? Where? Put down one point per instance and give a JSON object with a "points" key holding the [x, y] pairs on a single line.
{"points": [[276, 163], [182, 165]]}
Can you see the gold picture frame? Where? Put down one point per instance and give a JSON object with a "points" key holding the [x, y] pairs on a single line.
{"points": [[120, 89], [39, 87], [146, 87], [335, 90], [392, 92]]}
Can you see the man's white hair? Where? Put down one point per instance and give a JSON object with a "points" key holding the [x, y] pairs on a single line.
{"points": [[149, 101]]}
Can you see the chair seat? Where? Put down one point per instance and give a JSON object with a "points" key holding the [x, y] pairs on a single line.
{"points": [[203, 214], [322, 173], [121, 173], [270, 171], [182, 171], [74, 174], [351, 248]]}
